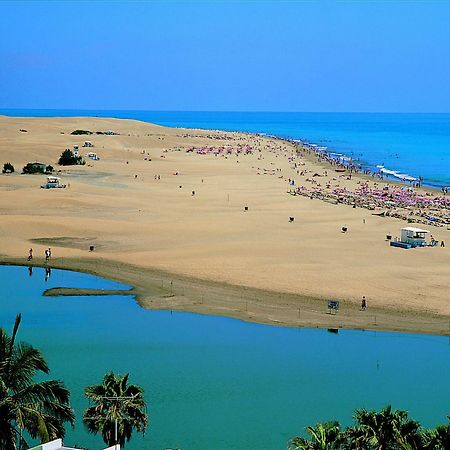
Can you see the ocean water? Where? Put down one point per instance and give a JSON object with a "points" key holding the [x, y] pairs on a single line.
{"points": [[217, 383], [417, 145]]}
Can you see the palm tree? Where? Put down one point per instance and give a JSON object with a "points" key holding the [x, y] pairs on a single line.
{"points": [[324, 436], [383, 430], [118, 409], [38, 409], [437, 438]]}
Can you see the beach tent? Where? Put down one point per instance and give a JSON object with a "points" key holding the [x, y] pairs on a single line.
{"points": [[413, 236]]}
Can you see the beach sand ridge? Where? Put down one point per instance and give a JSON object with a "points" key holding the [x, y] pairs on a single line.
{"points": [[168, 200]]}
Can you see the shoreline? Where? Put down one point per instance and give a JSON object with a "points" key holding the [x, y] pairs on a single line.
{"points": [[283, 274], [155, 289], [363, 164]]}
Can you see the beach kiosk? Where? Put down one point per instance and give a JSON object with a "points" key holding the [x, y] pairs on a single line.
{"points": [[53, 182], [414, 236], [411, 237]]}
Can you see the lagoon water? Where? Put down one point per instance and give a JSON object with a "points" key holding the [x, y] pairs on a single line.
{"points": [[411, 144], [218, 383]]}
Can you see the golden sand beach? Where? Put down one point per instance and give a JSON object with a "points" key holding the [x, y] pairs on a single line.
{"points": [[171, 220]]}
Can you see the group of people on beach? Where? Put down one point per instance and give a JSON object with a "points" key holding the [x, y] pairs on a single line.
{"points": [[222, 150], [47, 253], [403, 202], [400, 202]]}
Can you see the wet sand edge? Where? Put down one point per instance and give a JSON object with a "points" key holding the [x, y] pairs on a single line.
{"points": [[159, 290]]}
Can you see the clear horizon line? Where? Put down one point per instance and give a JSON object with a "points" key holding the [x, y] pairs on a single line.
{"points": [[224, 111]]}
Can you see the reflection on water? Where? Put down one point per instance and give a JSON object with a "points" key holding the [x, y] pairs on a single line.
{"points": [[219, 383], [47, 270]]}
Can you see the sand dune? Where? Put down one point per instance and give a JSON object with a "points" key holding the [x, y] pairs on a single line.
{"points": [[117, 205]]}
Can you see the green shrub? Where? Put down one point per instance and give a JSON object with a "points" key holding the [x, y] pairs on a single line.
{"points": [[77, 132], [31, 168], [67, 158], [8, 168]]}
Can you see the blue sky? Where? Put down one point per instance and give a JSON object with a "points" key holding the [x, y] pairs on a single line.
{"points": [[226, 55]]}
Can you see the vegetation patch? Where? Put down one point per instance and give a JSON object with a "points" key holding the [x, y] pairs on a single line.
{"points": [[32, 168], [68, 158], [8, 168], [107, 133], [78, 132], [374, 430], [29, 407]]}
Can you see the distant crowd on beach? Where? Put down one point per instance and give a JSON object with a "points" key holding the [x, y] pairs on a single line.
{"points": [[395, 201], [222, 150], [402, 202], [346, 163]]}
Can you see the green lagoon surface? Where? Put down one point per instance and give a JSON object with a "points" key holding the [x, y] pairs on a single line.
{"points": [[217, 383]]}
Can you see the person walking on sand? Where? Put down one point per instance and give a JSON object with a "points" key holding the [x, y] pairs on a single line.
{"points": [[30, 254], [46, 255], [49, 253], [363, 303]]}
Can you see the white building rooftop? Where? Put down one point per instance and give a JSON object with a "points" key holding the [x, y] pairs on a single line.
{"points": [[58, 445], [415, 230]]}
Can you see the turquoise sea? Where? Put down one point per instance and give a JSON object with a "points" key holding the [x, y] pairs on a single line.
{"points": [[218, 383], [417, 145]]}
